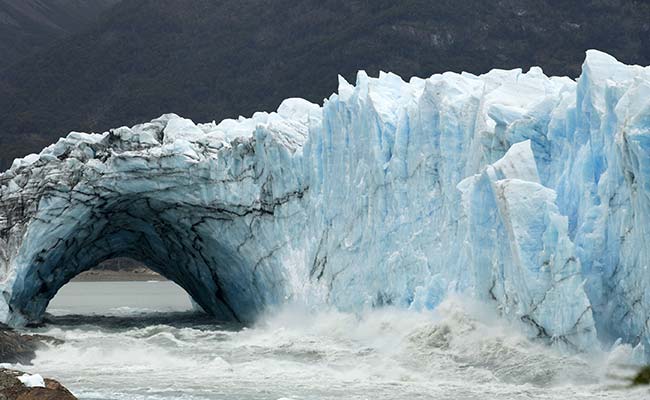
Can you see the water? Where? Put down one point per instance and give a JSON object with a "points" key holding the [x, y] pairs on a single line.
{"points": [[119, 298], [141, 340]]}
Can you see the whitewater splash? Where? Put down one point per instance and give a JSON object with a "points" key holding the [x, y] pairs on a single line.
{"points": [[462, 350], [527, 192]]}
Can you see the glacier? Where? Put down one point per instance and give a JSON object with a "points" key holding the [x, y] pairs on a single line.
{"points": [[526, 192]]}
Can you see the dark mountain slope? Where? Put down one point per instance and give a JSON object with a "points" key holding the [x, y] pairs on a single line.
{"points": [[27, 26], [209, 60]]}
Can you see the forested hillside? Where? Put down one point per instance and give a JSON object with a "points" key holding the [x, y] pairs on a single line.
{"points": [[27, 26]]}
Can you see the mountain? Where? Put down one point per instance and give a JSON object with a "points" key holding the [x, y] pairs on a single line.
{"points": [[27, 26], [211, 60]]}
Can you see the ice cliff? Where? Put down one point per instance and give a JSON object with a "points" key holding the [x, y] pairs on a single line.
{"points": [[527, 192]]}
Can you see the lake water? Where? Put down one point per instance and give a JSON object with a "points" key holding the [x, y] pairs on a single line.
{"points": [[141, 340]]}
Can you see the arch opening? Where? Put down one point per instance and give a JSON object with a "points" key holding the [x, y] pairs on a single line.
{"points": [[120, 289], [186, 245]]}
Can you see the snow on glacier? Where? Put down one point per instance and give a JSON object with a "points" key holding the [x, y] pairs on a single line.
{"points": [[527, 192]]}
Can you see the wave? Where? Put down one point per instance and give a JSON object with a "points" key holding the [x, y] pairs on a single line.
{"points": [[459, 350]]}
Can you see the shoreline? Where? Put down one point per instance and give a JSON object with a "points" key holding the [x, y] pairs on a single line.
{"points": [[118, 276]]}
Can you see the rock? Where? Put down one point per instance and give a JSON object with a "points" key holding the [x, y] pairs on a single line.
{"points": [[11, 388], [46, 394], [9, 379], [20, 348], [643, 377]]}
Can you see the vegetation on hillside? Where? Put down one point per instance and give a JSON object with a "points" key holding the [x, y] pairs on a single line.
{"points": [[27, 26]]}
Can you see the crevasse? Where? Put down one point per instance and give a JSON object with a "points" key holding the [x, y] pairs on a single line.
{"points": [[527, 192]]}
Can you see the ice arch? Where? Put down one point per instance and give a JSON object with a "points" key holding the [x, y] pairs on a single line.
{"points": [[145, 194], [171, 243], [531, 193]]}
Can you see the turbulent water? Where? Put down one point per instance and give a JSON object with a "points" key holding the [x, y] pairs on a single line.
{"points": [[141, 340]]}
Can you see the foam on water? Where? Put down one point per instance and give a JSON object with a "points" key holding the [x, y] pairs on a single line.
{"points": [[461, 350]]}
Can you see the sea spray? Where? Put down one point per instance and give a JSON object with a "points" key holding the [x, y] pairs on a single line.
{"points": [[460, 350]]}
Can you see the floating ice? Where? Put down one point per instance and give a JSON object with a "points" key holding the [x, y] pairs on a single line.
{"points": [[526, 192]]}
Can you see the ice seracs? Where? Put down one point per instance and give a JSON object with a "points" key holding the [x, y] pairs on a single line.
{"points": [[527, 192]]}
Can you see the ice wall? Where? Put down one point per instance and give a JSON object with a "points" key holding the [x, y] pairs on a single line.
{"points": [[527, 192]]}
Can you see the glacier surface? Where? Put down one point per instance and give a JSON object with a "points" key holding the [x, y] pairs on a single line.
{"points": [[528, 192]]}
